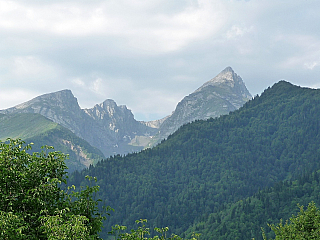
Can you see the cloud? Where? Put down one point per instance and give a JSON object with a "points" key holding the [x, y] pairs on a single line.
{"points": [[24, 71], [96, 86], [13, 97], [173, 32], [238, 31], [78, 82], [312, 65], [138, 22], [149, 54], [31, 67], [306, 54]]}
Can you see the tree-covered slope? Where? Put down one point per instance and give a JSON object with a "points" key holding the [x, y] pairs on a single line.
{"points": [[244, 219], [41, 131], [209, 163]]}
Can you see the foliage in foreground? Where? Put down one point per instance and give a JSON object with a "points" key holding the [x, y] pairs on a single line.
{"points": [[33, 204], [306, 225], [142, 232]]}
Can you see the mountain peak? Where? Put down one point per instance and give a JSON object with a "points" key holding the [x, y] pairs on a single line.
{"points": [[227, 69], [62, 94], [63, 98], [109, 103], [224, 93], [63, 91], [227, 78]]}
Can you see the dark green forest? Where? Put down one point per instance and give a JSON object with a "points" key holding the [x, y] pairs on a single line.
{"points": [[207, 177], [244, 219]]}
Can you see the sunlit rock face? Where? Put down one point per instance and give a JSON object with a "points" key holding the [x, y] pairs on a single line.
{"points": [[224, 93]]}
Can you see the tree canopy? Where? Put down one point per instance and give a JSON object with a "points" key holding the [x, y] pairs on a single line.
{"points": [[306, 225], [34, 200]]}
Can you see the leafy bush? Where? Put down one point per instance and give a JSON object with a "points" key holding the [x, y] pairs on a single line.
{"points": [[33, 203]]}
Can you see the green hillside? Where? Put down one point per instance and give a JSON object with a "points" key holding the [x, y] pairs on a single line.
{"points": [[244, 219], [23, 125], [42, 131], [207, 164]]}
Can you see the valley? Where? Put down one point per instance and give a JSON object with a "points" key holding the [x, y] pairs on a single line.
{"points": [[211, 171], [222, 165], [113, 129]]}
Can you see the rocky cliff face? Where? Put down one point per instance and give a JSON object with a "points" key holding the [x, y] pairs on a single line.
{"points": [[113, 129], [106, 126], [224, 93], [61, 107]]}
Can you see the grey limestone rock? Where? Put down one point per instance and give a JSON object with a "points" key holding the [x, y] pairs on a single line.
{"points": [[224, 93], [106, 126]]}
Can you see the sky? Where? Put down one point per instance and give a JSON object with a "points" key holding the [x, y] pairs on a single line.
{"points": [[149, 54]]}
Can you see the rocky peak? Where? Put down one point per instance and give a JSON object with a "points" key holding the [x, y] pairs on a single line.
{"points": [[108, 103], [111, 107], [109, 110], [64, 100], [100, 111], [224, 93], [57, 97], [113, 129], [227, 78], [61, 107]]}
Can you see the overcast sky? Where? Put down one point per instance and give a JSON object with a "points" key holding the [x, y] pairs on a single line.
{"points": [[149, 54]]}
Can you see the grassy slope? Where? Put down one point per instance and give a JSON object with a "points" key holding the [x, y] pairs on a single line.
{"points": [[26, 125], [42, 131]]}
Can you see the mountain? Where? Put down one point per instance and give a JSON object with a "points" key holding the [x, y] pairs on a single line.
{"points": [[39, 130], [106, 126], [60, 107], [224, 93], [207, 164], [113, 129]]}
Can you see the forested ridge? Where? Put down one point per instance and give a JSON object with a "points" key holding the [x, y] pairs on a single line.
{"points": [[244, 219], [208, 164]]}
